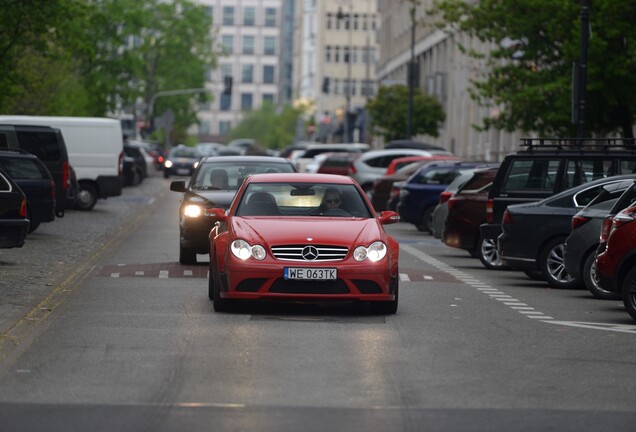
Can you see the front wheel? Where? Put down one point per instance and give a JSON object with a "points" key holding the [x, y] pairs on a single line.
{"points": [[489, 255], [553, 268], [187, 255], [590, 279], [86, 197], [426, 220], [629, 293], [220, 304], [387, 307]]}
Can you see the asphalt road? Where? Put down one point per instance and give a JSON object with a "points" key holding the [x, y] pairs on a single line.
{"points": [[120, 337]]}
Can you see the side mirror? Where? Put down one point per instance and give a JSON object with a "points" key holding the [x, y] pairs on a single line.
{"points": [[218, 214], [388, 217], [178, 186]]}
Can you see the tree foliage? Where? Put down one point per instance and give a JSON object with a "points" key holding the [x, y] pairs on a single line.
{"points": [[529, 65], [389, 112], [110, 54], [269, 127]]}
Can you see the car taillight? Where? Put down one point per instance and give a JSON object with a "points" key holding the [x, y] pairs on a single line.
{"points": [[606, 228], [577, 221], [160, 159], [489, 211], [121, 163], [445, 196], [507, 218], [626, 216], [23, 209], [66, 175], [451, 202], [351, 169]]}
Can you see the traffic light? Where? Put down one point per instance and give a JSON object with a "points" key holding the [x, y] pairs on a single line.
{"points": [[325, 85], [227, 85]]}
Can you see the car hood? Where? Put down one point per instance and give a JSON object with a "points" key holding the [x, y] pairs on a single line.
{"points": [[281, 231], [218, 198]]}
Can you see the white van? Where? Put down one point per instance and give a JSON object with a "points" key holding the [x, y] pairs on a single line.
{"points": [[95, 150]]}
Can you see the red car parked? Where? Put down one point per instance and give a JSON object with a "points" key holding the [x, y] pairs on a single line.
{"points": [[616, 264], [279, 240]]}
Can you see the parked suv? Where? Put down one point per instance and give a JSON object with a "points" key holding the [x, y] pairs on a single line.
{"points": [[13, 213], [35, 180], [550, 165], [48, 145]]}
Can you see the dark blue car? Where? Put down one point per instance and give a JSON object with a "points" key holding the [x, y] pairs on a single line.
{"points": [[419, 194]]}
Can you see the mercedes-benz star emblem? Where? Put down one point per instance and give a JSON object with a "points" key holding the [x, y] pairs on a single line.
{"points": [[310, 253]]}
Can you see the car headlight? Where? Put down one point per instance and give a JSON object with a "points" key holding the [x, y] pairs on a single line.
{"points": [[242, 250], [196, 164], [192, 210], [168, 164], [373, 253]]}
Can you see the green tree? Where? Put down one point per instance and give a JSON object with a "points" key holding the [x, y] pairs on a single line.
{"points": [[529, 65], [389, 111], [271, 128]]}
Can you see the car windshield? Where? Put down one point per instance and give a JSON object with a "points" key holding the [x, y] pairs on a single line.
{"points": [[230, 175], [302, 199], [185, 153]]}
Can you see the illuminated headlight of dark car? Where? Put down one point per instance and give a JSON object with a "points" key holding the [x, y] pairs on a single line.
{"points": [[195, 165], [373, 253], [192, 210], [168, 163], [243, 250]]}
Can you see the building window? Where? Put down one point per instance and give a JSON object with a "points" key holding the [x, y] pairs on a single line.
{"points": [[270, 17], [328, 54], [329, 23], [336, 54], [248, 44], [246, 101], [355, 21], [204, 128], [268, 98], [228, 15], [268, 74], [209, 11], [225, 102], [224, 127], [226, 70], [269, 45], [227, 41], [336, 86], [247, 73], [345, 55], [366, 88], [249, 16]]}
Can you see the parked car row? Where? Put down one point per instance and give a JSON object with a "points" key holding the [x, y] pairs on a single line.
{"points": [[559, 211]]}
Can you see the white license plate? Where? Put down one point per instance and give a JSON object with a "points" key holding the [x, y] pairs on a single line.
{"points": [[183, 171], [304, 273]]}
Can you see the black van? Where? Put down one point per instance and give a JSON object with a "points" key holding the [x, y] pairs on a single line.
{"points": [[48, 145]]}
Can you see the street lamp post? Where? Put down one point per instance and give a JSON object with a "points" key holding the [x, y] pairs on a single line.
{"points": [[341, 16]]}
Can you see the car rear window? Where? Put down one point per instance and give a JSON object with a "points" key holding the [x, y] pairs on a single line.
{"points": [[42, 144], [24, 169], [532, 174]]}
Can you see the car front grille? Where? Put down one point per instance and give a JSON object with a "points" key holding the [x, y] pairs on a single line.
{"points": [[319, 253]]}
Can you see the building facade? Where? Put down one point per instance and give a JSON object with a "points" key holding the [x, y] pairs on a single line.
{"points": [[253, 63], [444, 72], [335, 60]]}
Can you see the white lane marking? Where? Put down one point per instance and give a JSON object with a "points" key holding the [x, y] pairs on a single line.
{"points": [[114, 275], [187, 272], [428, 277], [404, 277], [139, 273], [622, 328], [163, 274]]}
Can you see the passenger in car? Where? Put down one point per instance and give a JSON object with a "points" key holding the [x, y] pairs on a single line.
{"points": [[218, 179]]}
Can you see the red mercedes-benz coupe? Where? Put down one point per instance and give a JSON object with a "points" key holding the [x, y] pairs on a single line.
{"points": [[303, 237]]}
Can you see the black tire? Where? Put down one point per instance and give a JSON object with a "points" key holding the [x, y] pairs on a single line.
{"points": [[553, 268], [426, 220], [187, 255], [388, 307], [629, 293], [535, 275], [591, 282], [86, 197], [211, 281], [220, 304], [33, 226], [489, 255], [166, 174]]}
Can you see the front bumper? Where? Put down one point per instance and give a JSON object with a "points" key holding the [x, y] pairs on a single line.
{"points": [[13, 232]]}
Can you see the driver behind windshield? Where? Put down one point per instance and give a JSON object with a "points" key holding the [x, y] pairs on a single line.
{"points": [[330, 200]]}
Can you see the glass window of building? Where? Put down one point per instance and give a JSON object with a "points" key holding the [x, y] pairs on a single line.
{"points": [[249, 16], [227, 41], [268, 74], [224, 127], [248, 44], [268, 98], [270, 17], [209, 11], [336, 86], [336, 54], [204, 128], [269, 45], [329, 23], [328, 54], [228, 15], [226, 69], [247, 73], [246, 101], [225, 102]]}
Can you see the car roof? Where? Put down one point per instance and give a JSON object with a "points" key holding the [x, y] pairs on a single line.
{"points": [[240, 159], [299, 178], [17, 153]]}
